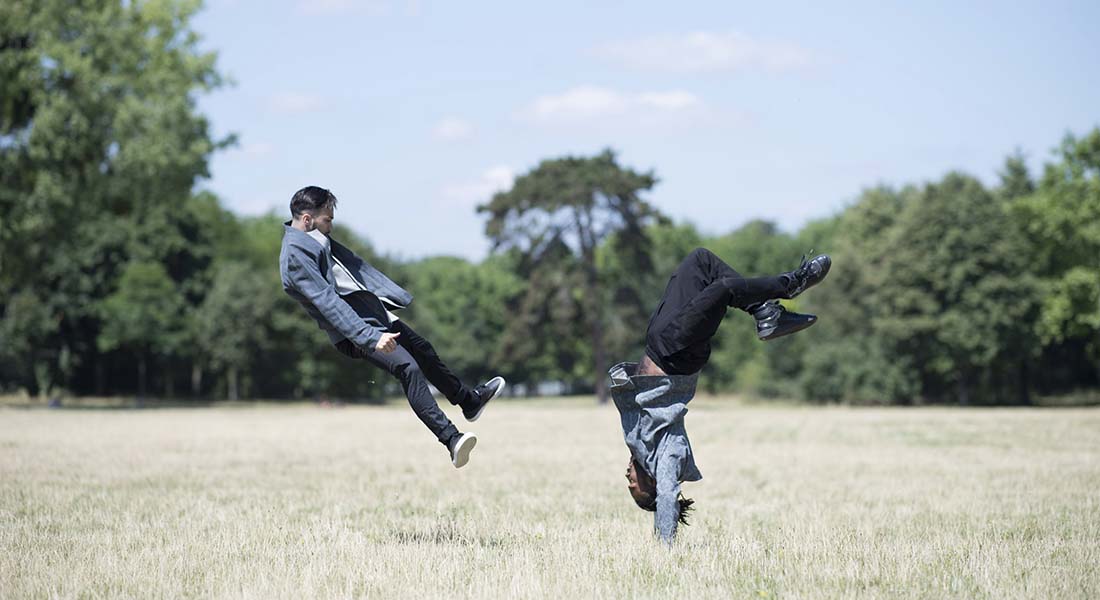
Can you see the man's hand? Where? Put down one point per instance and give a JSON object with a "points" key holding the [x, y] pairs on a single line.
{"points": [[388, 343]]}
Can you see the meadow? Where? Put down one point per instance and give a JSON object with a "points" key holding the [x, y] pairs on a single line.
{"points": [[301, 501]]}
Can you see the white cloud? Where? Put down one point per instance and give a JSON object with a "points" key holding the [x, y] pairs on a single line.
{"points": [[469, 193], [707, 51], [453, 129], [583, 101], [677, 100], [587, 102], [293, 103]]}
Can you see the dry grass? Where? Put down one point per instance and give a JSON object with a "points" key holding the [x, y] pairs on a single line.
{"points": [[304, 502]]}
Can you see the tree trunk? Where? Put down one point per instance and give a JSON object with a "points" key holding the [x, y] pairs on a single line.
{"points": [[42, 378], [588, 241], [100, 383], [232, 383], [964, 388], [1024, 385], [196, 379], [169, 383], [599, 355], [141, 375]]}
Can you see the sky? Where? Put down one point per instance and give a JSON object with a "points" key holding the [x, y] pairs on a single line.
{"points": [[414, 112]]}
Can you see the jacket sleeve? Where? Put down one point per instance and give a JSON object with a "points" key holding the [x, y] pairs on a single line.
{"points": [[306, 277], [667, 516]]}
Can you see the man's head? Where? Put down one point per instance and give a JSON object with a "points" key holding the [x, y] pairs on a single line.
{"points": [[641, 486], [312, 208], [643, 489]]}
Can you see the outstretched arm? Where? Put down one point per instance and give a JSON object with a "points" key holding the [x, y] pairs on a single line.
{"points": [[668, 493]]}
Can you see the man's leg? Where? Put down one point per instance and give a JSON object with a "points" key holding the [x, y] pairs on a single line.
{"points": [[702, 273], [698, 294], [437, 372], [694, 303], [401, 364]]}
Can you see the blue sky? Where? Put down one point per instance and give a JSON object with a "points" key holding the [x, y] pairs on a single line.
{"points": [[414, 112]]}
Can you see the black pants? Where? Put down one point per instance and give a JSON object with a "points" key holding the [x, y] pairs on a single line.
{"points": [[415, 364], [692, 308]]}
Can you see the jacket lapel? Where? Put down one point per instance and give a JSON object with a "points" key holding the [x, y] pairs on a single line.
{"points": [[324, 253]]}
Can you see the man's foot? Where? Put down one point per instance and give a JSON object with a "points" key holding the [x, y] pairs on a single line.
{"points": [[774, 321], [483, 394], [460, 447], [808, 274]]}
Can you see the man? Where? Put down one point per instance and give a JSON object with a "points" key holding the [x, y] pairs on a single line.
{"points": [[652, 394], [353, 303]]}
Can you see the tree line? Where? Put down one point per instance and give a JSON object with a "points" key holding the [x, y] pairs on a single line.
{"points": [[118, 278]]}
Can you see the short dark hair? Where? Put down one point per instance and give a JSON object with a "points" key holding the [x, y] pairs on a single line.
{"points": [[311, 199]]}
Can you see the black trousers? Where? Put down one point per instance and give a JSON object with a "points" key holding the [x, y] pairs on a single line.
{"points": [[692, 308], [415, 364]]}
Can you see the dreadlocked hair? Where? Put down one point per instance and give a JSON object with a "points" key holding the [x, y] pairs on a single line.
{"points": [[685, 508]]}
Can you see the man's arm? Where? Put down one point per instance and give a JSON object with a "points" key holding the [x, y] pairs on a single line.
{"points": [[307, 279], [668, 497]]}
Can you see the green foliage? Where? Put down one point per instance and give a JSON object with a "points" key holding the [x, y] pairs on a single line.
{"points": [[951, 285], [143, 315], [557, 217], [458, 308], [929, 291], [100, 144], [857, 369], [231, 326], [1061, 220]]}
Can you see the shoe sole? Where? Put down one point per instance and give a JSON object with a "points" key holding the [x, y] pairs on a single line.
{"points": [[477, 415], [462, 450], [776, 336], [824, 271]]}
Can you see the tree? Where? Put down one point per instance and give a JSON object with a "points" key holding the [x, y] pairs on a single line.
{"points": [[1061, 220], [952, 287], [231, 324], [144, 316], [855, 361], [459, 307], [98, 125], [556, 216]]}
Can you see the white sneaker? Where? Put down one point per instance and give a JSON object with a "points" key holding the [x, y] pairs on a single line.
{"points": [[460, 449]]}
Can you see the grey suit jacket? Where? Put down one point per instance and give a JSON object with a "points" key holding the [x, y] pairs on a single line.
{"points": [[306, 271]]}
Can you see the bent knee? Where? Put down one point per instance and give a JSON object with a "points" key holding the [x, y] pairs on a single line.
{"points": [[409, 372], [701, 255]]}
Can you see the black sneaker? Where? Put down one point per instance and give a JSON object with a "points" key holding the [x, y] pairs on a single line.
{"points": [[774, 321], [460, 447], [484, 393], [808, 274]]}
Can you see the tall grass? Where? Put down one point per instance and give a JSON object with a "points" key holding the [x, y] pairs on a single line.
{"points": [[305, 502]]}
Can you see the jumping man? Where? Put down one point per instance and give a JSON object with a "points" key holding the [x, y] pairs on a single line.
{"points": [[353, 303], [652, 394]]}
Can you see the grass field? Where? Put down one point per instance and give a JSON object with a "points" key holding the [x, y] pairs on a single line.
{"points": [[306, 502]]}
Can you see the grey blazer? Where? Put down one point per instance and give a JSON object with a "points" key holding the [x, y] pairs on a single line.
{"points": [[306, 271]]}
